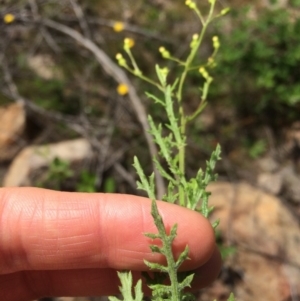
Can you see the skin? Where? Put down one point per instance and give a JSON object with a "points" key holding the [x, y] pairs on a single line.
{"points": [[71, 244]]}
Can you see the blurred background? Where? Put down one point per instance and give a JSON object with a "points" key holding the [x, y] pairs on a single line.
{"points": [[67, 121]]}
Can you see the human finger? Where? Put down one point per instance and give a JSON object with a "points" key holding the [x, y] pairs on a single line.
{"points": [[49, 230], [29, 285]]}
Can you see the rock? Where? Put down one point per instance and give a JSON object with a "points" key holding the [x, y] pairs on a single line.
{"points": [[268, 164], [44, 66], [267, 237], [291, 184], [270, 182], [12, 124], [33, 158]]}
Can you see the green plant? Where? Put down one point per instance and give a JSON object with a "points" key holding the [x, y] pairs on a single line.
{"points": [[171, 140], [255, 148], [261, 56], [86, 182], [58, 171]]}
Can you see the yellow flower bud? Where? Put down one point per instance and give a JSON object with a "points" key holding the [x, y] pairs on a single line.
{"points": [[190, 4], [120, 59], [195, 36], [118, 26], [119, 56], [224, 11], [122, 89], [164, 52], [216, 42], [9, 18], [128, 43]]}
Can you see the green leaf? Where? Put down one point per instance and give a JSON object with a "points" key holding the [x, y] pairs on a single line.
{"points": [[173, 232], [156, 99], [231, 297], [126, 288], [161, 75], [144, 184], [155, 249], [156, 266], [182, 257], [152, 235], [187, 282]]}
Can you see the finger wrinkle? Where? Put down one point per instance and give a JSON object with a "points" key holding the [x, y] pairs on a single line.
{"points": [[12, 251]]}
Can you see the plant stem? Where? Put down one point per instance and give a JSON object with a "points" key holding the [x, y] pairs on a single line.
{"points": [[183, 121], [168, 252]]}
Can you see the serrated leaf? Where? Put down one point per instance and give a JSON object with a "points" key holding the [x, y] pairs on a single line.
{"points": [[162, 171], [112, 298], [187, 281], [138, 291], [126, 288], [156, 99], [173, 87], [182, 257], [216, 224], [144, 184], [152, 235], [156, 266], [156, 249], [173, 232], [160, 75], [188, 297]]}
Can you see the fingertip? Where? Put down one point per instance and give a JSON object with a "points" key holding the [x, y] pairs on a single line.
{"points": [[194, 231]]}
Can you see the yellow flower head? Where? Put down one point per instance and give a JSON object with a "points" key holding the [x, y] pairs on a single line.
{"points": [[9, 18], [128, 43], [122, 89], [118, 26]]}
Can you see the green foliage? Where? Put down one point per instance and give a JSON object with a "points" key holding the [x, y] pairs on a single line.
{"points": [[225, 251], [175, 290], [255, 149], [261, 56], [295, 3], [170, 138], [86, 182], [59, 170], [109, 185], [126, 288]]}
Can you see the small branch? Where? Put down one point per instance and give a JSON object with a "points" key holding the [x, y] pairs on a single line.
{"points": [[82, 21], [50, 41], [13, 90], [82, 128], [119, 75], [44, 33]]}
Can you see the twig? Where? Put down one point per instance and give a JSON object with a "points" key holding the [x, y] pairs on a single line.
{"points": [[127, 27], [82, 21], [44, 33], [72, 122], [119, 75], [133, 29], [13, 90], [125, 175], [50, 41]]}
